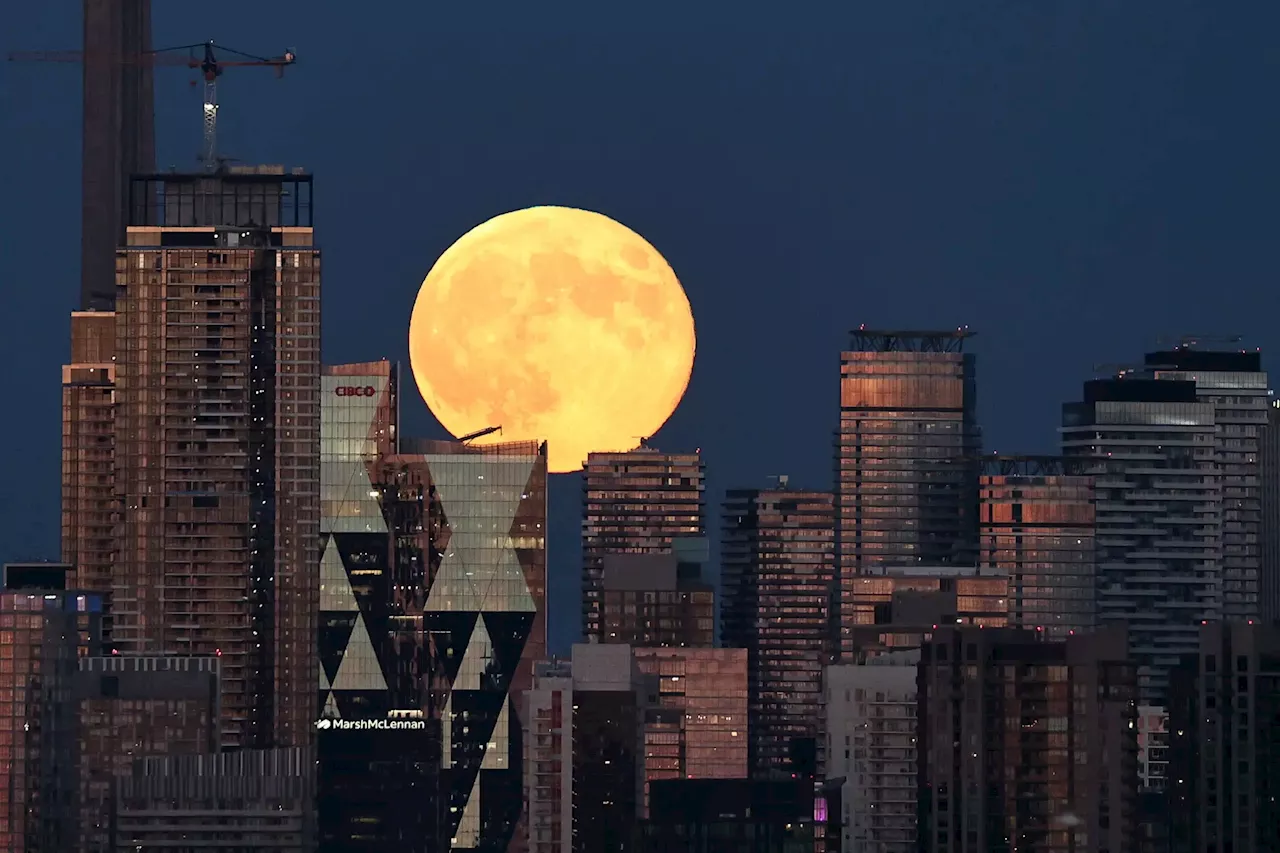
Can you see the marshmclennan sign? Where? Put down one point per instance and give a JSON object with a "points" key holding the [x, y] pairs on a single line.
{"points": [[358, 725]]}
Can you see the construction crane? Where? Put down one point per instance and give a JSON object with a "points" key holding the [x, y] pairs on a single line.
{"points": [[200, 57]]}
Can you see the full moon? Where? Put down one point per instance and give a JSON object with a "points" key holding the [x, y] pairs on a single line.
{"points": [[553, 323]]}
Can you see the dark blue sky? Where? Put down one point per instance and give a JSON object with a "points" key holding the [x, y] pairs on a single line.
{"points": [[1072, 179]]}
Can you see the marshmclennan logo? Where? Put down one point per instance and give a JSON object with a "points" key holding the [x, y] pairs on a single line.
{"points": [[358, 725]]}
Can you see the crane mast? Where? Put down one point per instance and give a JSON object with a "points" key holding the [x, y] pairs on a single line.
{"points": [[202, 57]]}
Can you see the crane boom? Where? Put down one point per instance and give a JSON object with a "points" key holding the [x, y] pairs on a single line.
{"points": [[199, 56]]}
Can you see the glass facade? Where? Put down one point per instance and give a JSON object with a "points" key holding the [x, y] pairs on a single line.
{"points": [[1151, 447], [776, 556], [1235, 384], [1036, 527], [699, 728], [636, 502], [216, 461], [906, 481], [466, 618]]}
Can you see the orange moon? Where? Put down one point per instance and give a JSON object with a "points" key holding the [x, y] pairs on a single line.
{"points": [[556, 324]]}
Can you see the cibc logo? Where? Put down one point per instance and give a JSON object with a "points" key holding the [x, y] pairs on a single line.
{"points": [[356, 391]]}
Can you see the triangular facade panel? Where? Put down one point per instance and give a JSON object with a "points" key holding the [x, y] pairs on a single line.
{"points": [[480, 570], [336, 594], [476, 662], [497, 754], [360, 669]]}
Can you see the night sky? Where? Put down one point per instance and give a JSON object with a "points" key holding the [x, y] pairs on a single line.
{"points": [[1074, 180]]}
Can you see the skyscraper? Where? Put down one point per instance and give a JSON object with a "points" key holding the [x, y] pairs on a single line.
{"points": [[1269, 578], [906, 475], [216, 440], [635, 502], [1158, 515], [88, 451], [432, 600], [469, 614], [1037, 528], [1235, 384], [584, 756], [699, 728], [118, 135], [872, 744], [776, 553], [1026, 744], [1224, 748]]}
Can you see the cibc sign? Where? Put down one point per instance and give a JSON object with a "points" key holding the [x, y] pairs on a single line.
{"points": [[355, 391]]}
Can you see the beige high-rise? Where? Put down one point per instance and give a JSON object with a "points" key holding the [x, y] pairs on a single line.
{"points": [[213, 441]]}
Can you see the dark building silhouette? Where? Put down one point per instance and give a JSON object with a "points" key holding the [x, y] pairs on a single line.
{"points": [[1036, 527], [776, 557], [248, 799], [118, 135], [906, 445], [130, 708], [584, 756], [1224, 743], [730, 815], [1025, 744], [1235, 384], [43, 633]]}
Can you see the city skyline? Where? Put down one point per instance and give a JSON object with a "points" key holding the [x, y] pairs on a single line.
{"points": [[288, 612], [1046, 218]]}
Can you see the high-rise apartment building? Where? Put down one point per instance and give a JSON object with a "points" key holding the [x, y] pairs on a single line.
{"points": [[43, 633], [871, 745], [895, 610], [1224, 748], [906, 473], [776, 556], [1026, 744], [1158, 514], [635, 502], [216, 439], [699, 728], [1269, 457], [1235, 384], [1036, 527], [657, 600], [584, 751], [88, 451]]}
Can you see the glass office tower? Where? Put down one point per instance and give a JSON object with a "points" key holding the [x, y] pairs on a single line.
{"points": [[906, 446]]}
